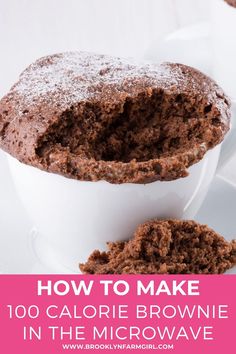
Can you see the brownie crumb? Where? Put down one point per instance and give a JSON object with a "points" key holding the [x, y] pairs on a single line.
{"points": [[231, 2], [166, 247]]}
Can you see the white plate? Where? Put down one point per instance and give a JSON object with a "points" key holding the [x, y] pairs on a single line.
{"points": [[218, 211]]}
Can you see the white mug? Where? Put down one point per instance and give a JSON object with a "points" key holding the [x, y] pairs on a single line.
{"points": [[73, 217]]}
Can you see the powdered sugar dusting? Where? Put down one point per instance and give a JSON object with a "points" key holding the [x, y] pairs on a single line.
{"points": [[64, 79], [63, 108]]}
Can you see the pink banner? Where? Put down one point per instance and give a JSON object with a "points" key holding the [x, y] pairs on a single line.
{"points": [[146, 314]]}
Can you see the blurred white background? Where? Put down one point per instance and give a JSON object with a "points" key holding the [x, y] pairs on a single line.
{"points": [[32, 28]]}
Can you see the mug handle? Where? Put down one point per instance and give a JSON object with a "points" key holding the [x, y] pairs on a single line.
{"points": [[228, 148]]}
